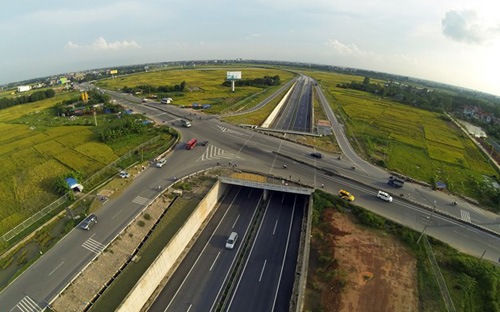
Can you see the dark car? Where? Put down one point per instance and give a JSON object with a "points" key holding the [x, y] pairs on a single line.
{"points": [[88, 222], [316, 155]]}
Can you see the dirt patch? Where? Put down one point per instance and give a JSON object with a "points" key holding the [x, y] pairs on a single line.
{"points": [[358, 269]]}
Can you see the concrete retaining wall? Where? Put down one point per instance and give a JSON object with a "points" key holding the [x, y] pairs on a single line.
{"points": [[165, 261], [269, 120]]}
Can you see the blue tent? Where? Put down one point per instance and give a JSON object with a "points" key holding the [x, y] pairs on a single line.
{"points": [[74, 185]]}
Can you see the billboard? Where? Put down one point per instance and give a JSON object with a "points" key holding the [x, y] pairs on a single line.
{"points": [[113, 71], [233, 75]]}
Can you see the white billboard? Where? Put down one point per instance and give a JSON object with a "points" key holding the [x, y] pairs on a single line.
{"points": [[233, 75]]}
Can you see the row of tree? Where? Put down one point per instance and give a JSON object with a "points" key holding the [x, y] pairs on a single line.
{"points": [[33, 97], [263, 82], [146, 89], [129, 126]]}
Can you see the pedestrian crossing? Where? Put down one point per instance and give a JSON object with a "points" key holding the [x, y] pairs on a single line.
{"points": [[141, 200], [215, 153], [93, 246], [465, 215], [28, 305], [227, 130]]}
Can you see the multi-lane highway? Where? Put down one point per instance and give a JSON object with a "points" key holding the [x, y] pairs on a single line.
{"points": [[254, 151], [266, 277]]}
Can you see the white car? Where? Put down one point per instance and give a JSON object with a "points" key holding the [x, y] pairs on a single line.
{"points": [[384, 196], [124, 174], [161, 162]]}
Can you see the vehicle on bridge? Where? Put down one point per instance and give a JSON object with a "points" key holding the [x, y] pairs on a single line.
{"points": [[346, 195], [316, 155], [191, 143]]}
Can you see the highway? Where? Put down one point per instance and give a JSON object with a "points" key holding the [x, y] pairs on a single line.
{"points": [[251, 150], [296, 114], [198, 282]]}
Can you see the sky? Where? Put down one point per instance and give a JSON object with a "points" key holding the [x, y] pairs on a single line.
{"points": [[450, 41]]}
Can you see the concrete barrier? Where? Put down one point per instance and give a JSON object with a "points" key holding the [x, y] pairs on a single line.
{"points": [[166, 260]]}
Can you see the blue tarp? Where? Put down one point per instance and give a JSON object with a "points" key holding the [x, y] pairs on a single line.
{"points": [[440, 185]]}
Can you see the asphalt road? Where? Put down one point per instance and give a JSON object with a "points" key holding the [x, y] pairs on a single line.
{"points": [[267, 280], [197, 283], [296, 114], [253, 151]]}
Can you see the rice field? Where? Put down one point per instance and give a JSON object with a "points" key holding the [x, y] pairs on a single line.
{"points": [[204, 86], [34, 151], [411, 141]]}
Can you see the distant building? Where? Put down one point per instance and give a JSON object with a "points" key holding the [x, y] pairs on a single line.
{"points": [[23, 88]]}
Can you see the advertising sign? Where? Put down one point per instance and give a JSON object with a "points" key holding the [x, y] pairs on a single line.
{"points": [[233, 75]]}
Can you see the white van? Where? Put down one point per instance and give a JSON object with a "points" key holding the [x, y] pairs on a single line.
{"points": [[231, 241]]}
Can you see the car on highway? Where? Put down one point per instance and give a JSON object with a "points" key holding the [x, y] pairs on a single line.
{"points": [[124, 174], [384, 196], [231, 240], [316, 155], [88, 222], [161, 162], [346, 195]]}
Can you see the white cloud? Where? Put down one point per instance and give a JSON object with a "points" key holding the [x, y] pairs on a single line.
{"points": [[465, 26], [349, 49], [102, 45], [252, 36]]}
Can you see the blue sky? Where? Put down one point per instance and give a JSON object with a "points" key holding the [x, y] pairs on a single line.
{"points": [[455, 42]]}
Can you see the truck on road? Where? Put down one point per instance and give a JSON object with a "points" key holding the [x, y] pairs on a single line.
{"points": [[185, 123]]}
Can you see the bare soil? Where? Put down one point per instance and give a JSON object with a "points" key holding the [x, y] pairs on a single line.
{"points": [[357, 269]]}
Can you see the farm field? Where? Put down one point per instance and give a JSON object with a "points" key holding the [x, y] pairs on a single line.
{"points": [[36, 147], [204, 86], [423, 145]]}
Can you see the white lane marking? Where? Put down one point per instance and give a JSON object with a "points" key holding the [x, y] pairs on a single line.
{"points": [[93, 246], [465, 215], [275, 225], [140, 200], [189, 308], [213, 152], [235, 221], [28, 304], [263, 268], [57, 267], [215, 260]]}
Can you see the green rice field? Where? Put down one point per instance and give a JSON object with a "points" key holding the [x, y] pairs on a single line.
{"points": [[413, 142]]}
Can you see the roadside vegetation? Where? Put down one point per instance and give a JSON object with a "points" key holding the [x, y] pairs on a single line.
{"points": [[474, 285]]}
